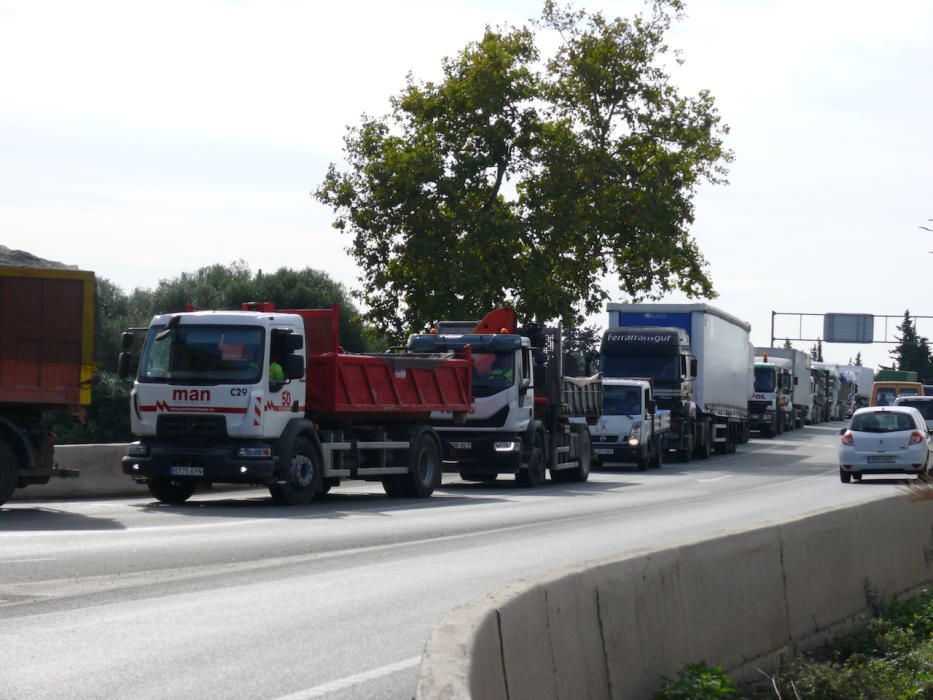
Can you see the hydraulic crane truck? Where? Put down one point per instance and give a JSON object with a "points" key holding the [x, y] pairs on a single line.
{"points": [[210, 404], [523, 404], [47, 323]]}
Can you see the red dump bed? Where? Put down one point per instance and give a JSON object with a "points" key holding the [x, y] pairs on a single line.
{"points": [[403, 385], [46, 336], [410, 385]]}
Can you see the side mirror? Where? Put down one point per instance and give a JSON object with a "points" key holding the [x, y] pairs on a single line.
{"points": [[693, 367], [652, 407], [842, 431], [294, 366], [294, 341], [126, 341], [123, 364]]}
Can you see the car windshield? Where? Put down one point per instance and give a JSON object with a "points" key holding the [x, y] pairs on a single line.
{"points": [[641, 365], [621, 400], [492, 372], [208, 354], [925, 407], [882, 422], [884, 397], [764, 379]]}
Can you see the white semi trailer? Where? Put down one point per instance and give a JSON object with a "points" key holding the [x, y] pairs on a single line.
{"points": [[699, 360], [801, 389]]}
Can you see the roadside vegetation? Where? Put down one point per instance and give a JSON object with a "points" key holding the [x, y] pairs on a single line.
{"points": [[888, 656]]}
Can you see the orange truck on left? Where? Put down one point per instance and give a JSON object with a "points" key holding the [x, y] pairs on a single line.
{"points": [[47, 326]]}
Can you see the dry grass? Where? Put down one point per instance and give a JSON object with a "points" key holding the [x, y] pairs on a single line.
{"points": [[921, 489]]}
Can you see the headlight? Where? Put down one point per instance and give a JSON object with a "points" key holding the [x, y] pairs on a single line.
{"points": [[254, 452], [506, 446], [137, 449], [634, 442]]}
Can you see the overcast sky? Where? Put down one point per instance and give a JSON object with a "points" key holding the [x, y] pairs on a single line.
{"points": [[141, 140]]}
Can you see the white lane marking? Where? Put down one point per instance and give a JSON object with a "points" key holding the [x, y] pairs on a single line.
{"points": [[17, 561], [718, 478], [319, 691]]}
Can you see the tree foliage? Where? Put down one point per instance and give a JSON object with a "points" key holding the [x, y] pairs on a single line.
{"points": [[912, 351], [526, 181], [212, 287]]}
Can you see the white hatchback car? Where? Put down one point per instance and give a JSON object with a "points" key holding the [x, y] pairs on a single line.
{"points": [[884, 440]]}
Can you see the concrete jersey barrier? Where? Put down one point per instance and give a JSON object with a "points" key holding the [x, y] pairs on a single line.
{"points": [[101, 475], [612, 629]]}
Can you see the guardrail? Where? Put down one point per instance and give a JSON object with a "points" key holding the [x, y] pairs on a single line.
{"points": [[613, 628]]}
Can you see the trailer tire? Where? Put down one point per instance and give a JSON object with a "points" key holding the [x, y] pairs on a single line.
{"points": [[706, 449], [685, 454], [171, 491], [534, 474], [581, 472], [303, 477], [8, 471]]}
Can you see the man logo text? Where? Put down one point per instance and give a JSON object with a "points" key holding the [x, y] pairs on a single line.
{"points": [[191, 395]]}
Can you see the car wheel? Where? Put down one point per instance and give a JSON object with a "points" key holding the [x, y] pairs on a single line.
{"points": [[844, 476]]}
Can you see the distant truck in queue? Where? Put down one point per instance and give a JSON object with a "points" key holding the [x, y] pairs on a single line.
{"points": [[632, 429], [521, 422], [267, 396], [47, 326], [797, 392], [770, 405], [699, 360]]}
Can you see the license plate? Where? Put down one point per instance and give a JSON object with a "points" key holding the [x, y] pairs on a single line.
{"points": [[881, 459], [461, 445], [604, 452], [186, 471]]}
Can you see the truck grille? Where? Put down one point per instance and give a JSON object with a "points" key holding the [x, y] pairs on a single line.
{"points": [[759, 406], [191, 427]]}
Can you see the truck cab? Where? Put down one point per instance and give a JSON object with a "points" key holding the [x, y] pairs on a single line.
{"points": [[631, 429], [770, 406], [520, 422]]}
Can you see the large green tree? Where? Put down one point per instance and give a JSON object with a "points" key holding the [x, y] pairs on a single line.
{"points": [[529, 181]]}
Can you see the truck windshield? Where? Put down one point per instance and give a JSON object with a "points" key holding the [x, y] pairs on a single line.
{"points": [[621, 400], [764, 379], [492, 372], [638, 365], [206, 354]]}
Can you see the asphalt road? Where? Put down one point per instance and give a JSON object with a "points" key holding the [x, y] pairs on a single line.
{"points": [[231, 597]]}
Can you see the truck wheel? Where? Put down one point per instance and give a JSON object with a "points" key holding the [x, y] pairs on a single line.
{"points": [[658, 459], [173, 491], [581, 472], [641, 463], [534, 474], [8, 470], [685, 454], [706, 449], [424, 470], [303, 478]]}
